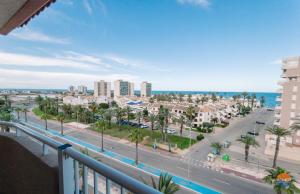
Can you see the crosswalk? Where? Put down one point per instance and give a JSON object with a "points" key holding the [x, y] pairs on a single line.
{"points": [[199, 163]]}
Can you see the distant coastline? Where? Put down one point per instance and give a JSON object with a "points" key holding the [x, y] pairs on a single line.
{"points": [[269, 96]]}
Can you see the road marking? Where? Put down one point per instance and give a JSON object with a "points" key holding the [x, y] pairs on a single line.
{"points": [[221, 181]]}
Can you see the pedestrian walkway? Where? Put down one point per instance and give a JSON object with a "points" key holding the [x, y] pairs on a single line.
{"points": [[128, 161]]}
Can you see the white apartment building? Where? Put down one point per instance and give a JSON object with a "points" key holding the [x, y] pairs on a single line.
{"points": [[146, 89], [82, 89], [123, 88], [102, 88], [288, 104], [71, 89]]}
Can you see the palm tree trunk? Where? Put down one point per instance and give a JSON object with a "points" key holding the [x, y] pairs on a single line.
{"points": [[18, 115], [102, 149], [276, 151], [26, 117], [246, 152], [181, 127], [46, 124], [61, 128], [136, 152]]}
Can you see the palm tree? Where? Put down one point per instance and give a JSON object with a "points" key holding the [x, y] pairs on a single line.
{"points": [[18, 110], [197, 101], [93, 107], [128, 111], [248, 141], [61, 117], [262, 101], [279, 133], [181, 121], [165, 184], [280, 186], [217, 146], [25, 111], [135, 136], [190, 114], [108, 116], [44, 117], [161, 120], [253, 97], [152, 119], [139, 116], [244, 94], [119, 113], [101, 125]]}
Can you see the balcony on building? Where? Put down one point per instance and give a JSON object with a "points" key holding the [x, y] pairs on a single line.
{"points": [[277, 123], [278, 99], [280, 90], [282, 82], [290, 63], [277, 115]]}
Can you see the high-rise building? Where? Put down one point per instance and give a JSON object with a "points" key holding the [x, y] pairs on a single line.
{"points": [[71, 89], [102, 88], [146, 89], [82, 89], [288, 104], [123, 88]]}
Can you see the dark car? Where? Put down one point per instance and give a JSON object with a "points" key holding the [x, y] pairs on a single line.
{"points": [[254, 133], [260, 123]]}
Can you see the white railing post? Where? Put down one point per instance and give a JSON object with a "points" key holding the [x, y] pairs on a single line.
{"points": [[95, 182], [18, 132], [85, 180], [76, 177], [45, 149], [66, 171]]}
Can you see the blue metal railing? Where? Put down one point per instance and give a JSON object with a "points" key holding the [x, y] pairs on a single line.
{"points": [[68, 165]]}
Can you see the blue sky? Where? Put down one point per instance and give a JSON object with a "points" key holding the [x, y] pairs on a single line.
{"points": [[219, 45]]}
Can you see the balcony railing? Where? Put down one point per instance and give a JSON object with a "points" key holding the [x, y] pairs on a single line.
{"points": [[278, 99], [282, 82], [68, 167]]}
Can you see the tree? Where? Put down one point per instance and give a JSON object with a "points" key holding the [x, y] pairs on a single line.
{"points": [[93, 107], [279, 133], [25, 111], [108, 116], [139, 116], [128, 112], [253, 98], [217, 146], [244, 94], [161, 120], [119, 113], [152, 119], [248, 141], [287, 185], [165, 184], [197, 101], [190, 113], [145, 112], [44, 117], [61, 117], [101, 125], [189, 98], [135, 136], [181, 121], [18, 110], [262, 101], [114, 104]]}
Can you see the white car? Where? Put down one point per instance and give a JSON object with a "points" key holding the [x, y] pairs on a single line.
{"points": [[171, 131]]}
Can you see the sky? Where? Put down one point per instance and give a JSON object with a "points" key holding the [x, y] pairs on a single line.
{"points": [[198, 45]]}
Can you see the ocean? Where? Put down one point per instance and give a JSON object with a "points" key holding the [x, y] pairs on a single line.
{"points": [[269, 97]]}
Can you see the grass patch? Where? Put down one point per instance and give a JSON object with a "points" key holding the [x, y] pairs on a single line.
{"points": [[123, 132], [38, 112]]}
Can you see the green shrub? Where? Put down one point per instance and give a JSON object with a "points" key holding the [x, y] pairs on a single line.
{"points": [[200, 137]]}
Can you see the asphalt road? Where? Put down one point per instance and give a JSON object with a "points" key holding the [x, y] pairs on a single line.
{"points": [[225, 183]]}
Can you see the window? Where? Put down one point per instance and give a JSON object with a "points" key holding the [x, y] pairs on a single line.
{"points": [[294, 97], [295, 88], [293, 106]]}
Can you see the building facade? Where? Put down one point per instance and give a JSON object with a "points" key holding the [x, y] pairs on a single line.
{"points": [[146, 89], [82, 89], [288, 104], [102, 88], [123, 88], [71, 89]]}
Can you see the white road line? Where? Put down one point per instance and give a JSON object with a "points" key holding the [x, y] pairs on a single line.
{"points": [[221, 181]]}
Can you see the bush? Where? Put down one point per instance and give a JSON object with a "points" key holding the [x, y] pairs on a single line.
{"points": [[200, 137]]}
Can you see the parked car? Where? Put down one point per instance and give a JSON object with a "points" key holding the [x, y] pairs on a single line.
{"points": [[171, 131], [260, 123], [243, 136], [144, 126], [226, 144], [254, 133]]}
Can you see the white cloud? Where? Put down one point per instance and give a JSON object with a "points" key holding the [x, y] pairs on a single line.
{"points": [[88, 7], [26, 34], [200, 3], [11, 78], [23, 60]]}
